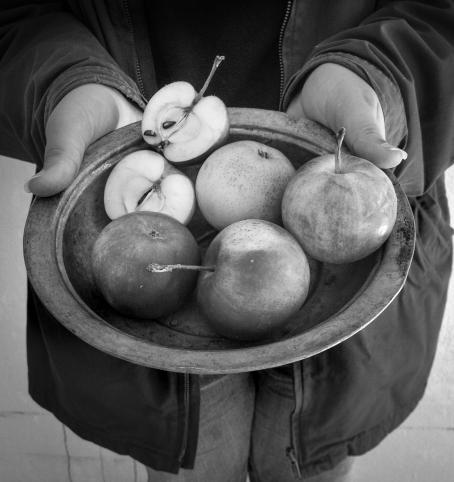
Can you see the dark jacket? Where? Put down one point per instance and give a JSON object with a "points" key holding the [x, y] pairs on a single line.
{"points": [[353, 394]]}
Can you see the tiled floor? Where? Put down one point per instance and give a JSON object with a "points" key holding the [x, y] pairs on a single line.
{"points": [[34, 447]]}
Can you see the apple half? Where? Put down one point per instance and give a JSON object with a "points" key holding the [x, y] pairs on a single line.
{"points": [[145, 181], [184, 124]]}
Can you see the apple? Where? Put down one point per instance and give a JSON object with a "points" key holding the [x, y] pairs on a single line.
{"points": [[121, 257], [183, 123], [242, 180], [340, 209], [145, 181], [254, 276]]}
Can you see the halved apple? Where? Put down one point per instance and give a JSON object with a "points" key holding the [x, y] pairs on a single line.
{"points": [[182, 123], [145, 181]]}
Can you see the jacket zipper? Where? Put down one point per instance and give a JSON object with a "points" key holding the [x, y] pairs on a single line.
{"points": [[294, 461], [293, 449], [138, 70], [280, 46], [186, 418]]}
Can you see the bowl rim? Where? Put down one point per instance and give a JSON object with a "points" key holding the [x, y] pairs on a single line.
{"points": [[43, 260]]}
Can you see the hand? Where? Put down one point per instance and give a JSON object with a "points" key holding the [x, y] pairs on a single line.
{"points": [[336, 97], [80, 118]]}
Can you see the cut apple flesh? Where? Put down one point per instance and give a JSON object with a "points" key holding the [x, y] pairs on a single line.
{"points": [[145, 181], [161, 108], [178, 125], [174, 196], [183, 123], [154, 200], [204, 128]]}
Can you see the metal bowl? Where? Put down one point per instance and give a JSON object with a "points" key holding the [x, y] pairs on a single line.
{"points": [[343, 299]]}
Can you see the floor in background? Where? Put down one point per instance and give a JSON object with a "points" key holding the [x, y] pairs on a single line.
{"points": [[34, 447]]}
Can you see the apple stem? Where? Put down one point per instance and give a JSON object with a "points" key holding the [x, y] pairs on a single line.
{"points": [[337, 156], [166, 268], [187, 110], [216, 63]]}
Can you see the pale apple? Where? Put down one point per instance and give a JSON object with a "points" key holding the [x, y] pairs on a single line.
{"points": [[340, 208], [184, 124], [122, 254], [243, 180], [145, 181]]}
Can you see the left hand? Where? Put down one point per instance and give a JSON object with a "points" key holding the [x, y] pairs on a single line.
{"points": [[336, 97]]}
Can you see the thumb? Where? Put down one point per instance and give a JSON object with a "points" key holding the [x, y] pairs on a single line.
{"points": [[365, 137], [81, 117], [336, 97]]}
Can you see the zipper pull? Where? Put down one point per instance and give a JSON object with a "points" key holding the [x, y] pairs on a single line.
{"points": [[290, 452]]}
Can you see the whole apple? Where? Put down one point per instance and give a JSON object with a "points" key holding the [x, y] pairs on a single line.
{"points": [[124, 250], [257, 277], [242, 180], [340, 209], [145, 181]]}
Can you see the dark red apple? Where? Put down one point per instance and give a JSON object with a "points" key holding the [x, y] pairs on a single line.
{"points": [[339, 209], [259, 277], [122, 255]]}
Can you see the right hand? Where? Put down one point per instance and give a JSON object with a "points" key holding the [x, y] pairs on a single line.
{"points": [[84, 115]]}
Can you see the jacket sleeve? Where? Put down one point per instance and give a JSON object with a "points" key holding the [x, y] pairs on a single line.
{"points": [[44, 53], [405, 50]]}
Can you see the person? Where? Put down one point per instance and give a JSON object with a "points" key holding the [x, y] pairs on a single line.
{"points": [[73, 71]]}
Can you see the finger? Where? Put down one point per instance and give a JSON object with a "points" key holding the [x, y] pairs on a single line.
{"points": [[295, 109], [336, 97], [371, 146], [83, 116], [365, 136]]}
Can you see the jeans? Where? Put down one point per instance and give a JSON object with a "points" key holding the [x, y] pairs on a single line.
{"points": [[245, 429]]}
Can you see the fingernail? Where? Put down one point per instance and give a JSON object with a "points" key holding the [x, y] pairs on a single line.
{"points": [[27, 184], [389, 147], [402, 152]]}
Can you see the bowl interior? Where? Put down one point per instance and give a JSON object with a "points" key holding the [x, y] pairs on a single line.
{"points": [[333, 287]]}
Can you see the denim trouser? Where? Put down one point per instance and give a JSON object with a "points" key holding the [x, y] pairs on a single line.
{"points": [[244, 426]]}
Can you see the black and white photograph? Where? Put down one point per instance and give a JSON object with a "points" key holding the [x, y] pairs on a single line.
{"points": [[226, 241]]}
